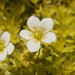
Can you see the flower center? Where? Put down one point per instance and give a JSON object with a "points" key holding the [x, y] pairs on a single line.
{"points": [[2, 46], [38, 35]]}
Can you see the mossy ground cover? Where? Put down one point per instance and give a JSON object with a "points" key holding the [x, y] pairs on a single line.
{"points": [[57, 58]]}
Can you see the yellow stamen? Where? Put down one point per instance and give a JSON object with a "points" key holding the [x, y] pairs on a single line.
{"points": [[2, 46], [38, 35]]}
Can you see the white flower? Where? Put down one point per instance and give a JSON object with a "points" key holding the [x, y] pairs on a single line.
{"points": [[39, 33], [6, 47]]}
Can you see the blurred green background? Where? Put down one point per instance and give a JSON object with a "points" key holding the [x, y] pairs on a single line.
{"points": [[57, 58]]}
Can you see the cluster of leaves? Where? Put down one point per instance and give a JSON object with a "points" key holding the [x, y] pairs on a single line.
{"points": [[57, 58]]}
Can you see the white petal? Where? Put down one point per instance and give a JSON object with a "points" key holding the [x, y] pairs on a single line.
{"points": [[10, 48], [33, 22], [3, 55], [6, 37], [33, 45], [49, 37], [47, 24], [26, 34]]}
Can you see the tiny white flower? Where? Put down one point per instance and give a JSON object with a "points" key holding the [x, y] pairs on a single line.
{"points": [[6, 47], [39, 32]]}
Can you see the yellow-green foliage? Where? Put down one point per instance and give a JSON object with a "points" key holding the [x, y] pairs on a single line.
{"points": [[57, 58]]}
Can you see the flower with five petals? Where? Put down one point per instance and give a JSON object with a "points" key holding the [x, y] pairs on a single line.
{"points": [[6, 47], [39, 33]]}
